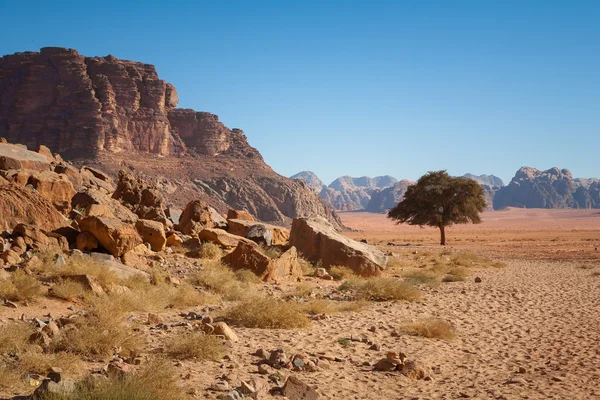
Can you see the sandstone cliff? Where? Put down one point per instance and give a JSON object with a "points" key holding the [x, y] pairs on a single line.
{"points": [[117, 114], [553, 188]]}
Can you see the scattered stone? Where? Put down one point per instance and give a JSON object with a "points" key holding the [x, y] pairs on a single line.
{"points": [[221, 328], [152, 232], [477, 279], [197, 216], [115, 236], [295, 389]]}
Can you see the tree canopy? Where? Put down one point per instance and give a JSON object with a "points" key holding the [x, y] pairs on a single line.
{"points": [[439, 200]]}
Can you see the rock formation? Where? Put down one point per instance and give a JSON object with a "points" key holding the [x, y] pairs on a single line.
{"points": [[383, 200], [553, 188], [115, 114], [351, 194], [311, 180], [487, 180]]}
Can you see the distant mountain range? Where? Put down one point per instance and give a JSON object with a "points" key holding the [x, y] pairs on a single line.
{"points": [[530, 188]]}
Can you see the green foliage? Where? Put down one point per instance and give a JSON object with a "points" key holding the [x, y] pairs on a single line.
{"points": [[439, 200]]}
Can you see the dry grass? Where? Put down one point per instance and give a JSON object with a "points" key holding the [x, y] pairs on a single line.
{"points": [[20, 286], [308, 269], [209, 251], [420, 277], [196, 346], [323, 306], [432, 328], [381, 289], [221, 280], [453, 278], [75, 265], [271, 251], [396, 263], [156, 380], [341, 272], [247, 276], [14, 337], [68, 290], [268, 313]]}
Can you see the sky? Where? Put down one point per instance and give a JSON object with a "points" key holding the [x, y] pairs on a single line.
{"points": [[361, 87]]}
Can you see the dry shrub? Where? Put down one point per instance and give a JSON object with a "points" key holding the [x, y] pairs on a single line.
{"points": [[197, 346], [223, 281], [453, 278], [210, 251], [302, 289], [14, 337], [269, 313], [20, 286], [471, 260], [98, 332], [273, 252], [432, 328], [308, 269], [323, 306], [341, 272], [426, 278], [393, 262], [381, 289], [34, 361], [156, 380], [75, 265], [247, 276], [68, 290]]}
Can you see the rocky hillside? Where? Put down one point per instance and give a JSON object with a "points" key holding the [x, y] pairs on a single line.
{"points": [[487, 180], [553, 188], [117, 114], [311, 180], [383, 200]]}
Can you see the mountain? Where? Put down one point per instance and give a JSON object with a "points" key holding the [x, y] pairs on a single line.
{"points": [[311, 179], [117, 114], [349, 194], [489, 180], [553, 188], [383, 200]]}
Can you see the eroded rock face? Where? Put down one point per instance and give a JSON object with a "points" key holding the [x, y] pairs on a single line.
{"points": [[145, 200], [197, 216], [18, 157], [21, 205], [317, 240], [383, 200], [114, 235]]}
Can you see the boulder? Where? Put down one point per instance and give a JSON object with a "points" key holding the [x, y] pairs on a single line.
{"points": [[221, 328], [145, 200], [197, 216], [260, 234], [18, 157], [86, 241], [21, 205], [152, 232], [318, 240], [114, 235], [247, 255], [35, 238], [221, 237], [18, 176], [174, 240], [240, 214], [83, 201], [57, 188], [137, 257], [240, 227], [295, 389], [45, 151]]}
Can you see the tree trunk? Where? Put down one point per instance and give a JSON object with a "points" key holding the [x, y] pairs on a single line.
{"points": [[443, 235]]}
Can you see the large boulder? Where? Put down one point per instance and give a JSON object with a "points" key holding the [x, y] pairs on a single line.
{"points": [[248, 256], [57, 188], [21, 205], [85, 199], [18, 157], [197, 216], [280, 235], [35, 238], [114, 235], [317, 240], [240, 214], [145, 200], [221, 238], [152, 232]]}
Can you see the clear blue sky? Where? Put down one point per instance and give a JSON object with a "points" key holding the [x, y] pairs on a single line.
{"points": [[361, 87]]}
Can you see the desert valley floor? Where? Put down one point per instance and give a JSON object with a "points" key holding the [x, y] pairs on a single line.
{"points": [[530, 329]]}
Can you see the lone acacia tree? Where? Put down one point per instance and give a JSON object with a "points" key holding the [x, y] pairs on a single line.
{"points": [[439, 200]]}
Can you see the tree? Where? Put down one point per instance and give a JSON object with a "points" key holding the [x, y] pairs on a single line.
{"points": [[439, 200]]}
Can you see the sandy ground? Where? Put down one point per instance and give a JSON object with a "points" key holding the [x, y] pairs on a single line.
{"points": [[539, 315]]}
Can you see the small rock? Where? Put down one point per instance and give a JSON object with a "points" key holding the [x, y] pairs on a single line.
{"points": [[221, 328], [221, 386], [265, 369], [295, 389], [375, 346], [477, 279], [522, 370]]}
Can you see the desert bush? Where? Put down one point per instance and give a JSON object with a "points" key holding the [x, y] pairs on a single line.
{"points": [[20, 286], [197, 346], [157, 380], [341, 272], [302, 289], [247, 276], [75, 265], [210, 251], [269, 313], [471, 260], [381, 289], [271, 251], [308, 269], [430, 328], [417, 277], [393, 262], [323, 306], [223, 281], [68, 290], [14, 337], [453, 278]]}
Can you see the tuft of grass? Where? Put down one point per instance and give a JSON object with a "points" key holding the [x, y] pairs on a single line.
{"points": [[273, 252], [14, 337], [308, 269], [393, 262], [341, 272], [323, 306], [210, 251], [381, 289], [425, 278], [345, 342], [453, 278], [196, 346], [247, 276], [75, 265], [432, 328], [20, 286], [268, 313], [68, 290], [156, 380], [221, 280]]}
